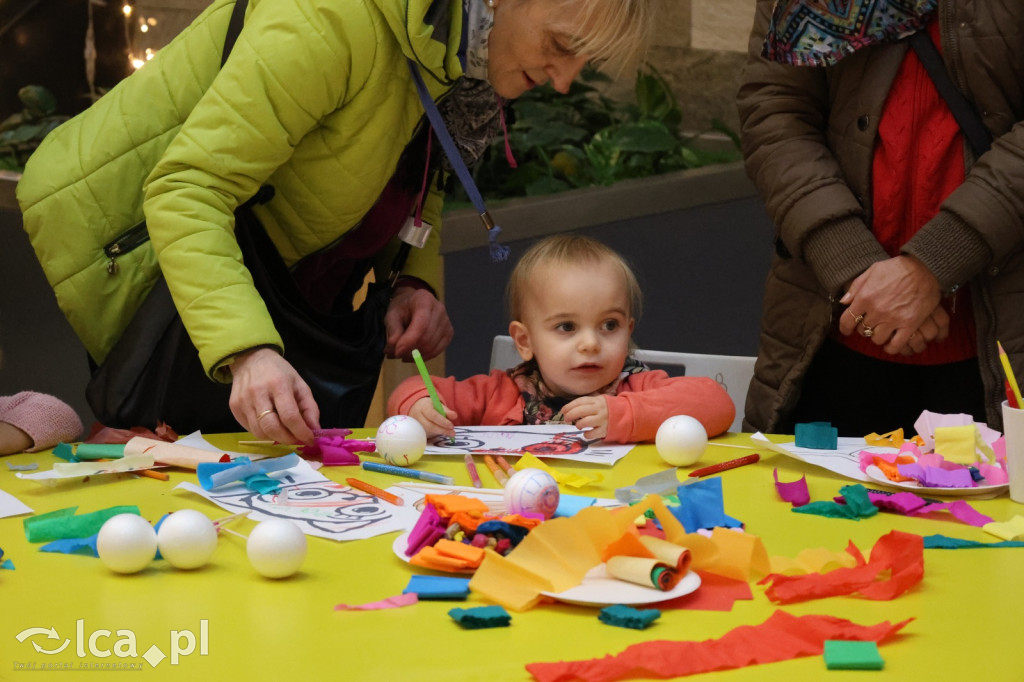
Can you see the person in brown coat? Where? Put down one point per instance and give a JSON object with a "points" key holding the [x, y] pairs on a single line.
{"points": [[898, 249]]}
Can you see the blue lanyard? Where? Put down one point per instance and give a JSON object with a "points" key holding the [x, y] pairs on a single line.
{"points": [[499, 252]]}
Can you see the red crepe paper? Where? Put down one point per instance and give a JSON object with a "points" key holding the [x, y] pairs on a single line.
{"points": [[780, 638], [898, 555], [716, 593]]}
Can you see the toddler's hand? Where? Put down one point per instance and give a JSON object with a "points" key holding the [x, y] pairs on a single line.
{"points": [[432, 421], [589, 412]]}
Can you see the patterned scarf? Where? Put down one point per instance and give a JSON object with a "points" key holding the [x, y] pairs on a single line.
{"points": [[821, 32], [543, 407], [471, 111], [480, 21]]}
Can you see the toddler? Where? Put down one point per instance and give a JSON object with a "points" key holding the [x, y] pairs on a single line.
{"points": [[573, 303]]}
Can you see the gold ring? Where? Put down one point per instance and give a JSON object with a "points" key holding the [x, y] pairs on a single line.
{"points": [[857, 319], [264, 413], [868, 332]]}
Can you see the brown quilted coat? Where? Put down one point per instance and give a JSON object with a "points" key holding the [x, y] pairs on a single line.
{"points": [[808, 137]]}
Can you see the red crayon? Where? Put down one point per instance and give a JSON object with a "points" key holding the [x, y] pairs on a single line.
{"points": [[724, 466], [1011, 399]]}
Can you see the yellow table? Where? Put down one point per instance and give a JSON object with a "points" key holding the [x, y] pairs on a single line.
{"points": [[968, 608]]}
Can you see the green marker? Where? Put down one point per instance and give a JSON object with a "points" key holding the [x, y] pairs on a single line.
{"points": [[427, 382], [430, 385]]}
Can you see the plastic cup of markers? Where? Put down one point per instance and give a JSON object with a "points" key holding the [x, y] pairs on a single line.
{"points": [[1013, 430]]}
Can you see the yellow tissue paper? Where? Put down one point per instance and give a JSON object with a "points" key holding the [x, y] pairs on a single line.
{"points": [[815, 560], [565, 478], [957, 443], [893, 439], [557, 554], [740, 555], [1006, 530]]}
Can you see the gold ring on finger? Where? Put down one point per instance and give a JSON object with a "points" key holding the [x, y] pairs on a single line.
{"points": [[264, 413], [868, 332]]}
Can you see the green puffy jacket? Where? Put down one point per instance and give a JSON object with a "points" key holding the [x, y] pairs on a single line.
{"points": [[316, 100]]}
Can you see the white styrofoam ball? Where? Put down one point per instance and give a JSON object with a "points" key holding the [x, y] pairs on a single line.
{"points": [[187, 539], [681, 440], [532, 490], [126, 543], [401, 440], [276, 548]]}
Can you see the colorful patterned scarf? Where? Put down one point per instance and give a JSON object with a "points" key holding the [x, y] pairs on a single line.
{"points": [[543, 407], [821, 32]]}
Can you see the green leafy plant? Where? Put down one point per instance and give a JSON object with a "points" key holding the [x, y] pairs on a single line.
{"points": [[585, 138], [22, 132]]}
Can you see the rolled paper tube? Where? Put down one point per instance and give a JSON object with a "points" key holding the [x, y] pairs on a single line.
{"points": [[172, 454], [126, 463], [99, 451], [663, 578], [668, 552], [643, 572]]}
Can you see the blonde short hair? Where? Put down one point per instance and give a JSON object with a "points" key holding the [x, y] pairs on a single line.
{"points": [[568, 249], [614, 33]]}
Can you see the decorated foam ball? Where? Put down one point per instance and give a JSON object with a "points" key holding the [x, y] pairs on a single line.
{"points": [[681, 440], [276, 548], [401, 440], [126, 543], [187, 539], [532, 490]]}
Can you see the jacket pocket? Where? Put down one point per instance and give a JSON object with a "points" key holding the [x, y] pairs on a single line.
{"points": [[126, 242]]}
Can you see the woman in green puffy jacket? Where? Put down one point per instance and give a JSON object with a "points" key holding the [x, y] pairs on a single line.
{"points": [[317, 101]]}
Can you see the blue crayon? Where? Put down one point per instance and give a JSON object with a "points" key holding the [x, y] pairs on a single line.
{"points": [[409, 473]]}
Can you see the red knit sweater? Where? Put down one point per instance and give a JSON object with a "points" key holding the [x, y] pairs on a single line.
{"points": [[918, 162]]}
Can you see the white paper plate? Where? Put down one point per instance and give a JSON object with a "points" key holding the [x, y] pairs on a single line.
{"points": [[600, 589], [875, 474], [597, 588], [401, 543]]}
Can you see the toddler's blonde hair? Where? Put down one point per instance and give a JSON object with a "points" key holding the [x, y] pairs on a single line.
{"points": [[568, 249]]}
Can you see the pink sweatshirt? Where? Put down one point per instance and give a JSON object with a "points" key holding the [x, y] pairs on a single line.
{"points": [[644, 401]]}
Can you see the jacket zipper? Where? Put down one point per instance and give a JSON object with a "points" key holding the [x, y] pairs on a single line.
{"points": [[125, 242]]}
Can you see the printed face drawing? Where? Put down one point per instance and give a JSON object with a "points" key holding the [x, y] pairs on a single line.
{"points": [[520, 440], [324, 505], [318, 505]]}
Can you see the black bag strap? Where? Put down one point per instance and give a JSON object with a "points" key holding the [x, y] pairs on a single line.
{"points": [[978, 136], [234, 28]]}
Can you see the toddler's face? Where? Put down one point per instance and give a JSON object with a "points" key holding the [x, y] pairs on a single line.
{"points": [[576, 323]]}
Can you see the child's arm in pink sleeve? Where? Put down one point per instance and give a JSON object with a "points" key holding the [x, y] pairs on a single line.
{"points": [[474, 399], [649, 398]]}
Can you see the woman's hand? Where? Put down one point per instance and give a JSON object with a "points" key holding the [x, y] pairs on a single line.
{"points": [[270, 399], [933, 329], [893, 299], [415, 319], [588, 412], [432, 421]]}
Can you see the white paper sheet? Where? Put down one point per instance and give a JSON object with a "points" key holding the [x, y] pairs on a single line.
{"points": [[845, 460], [317, 504], [555, 441], [12, 506]]}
